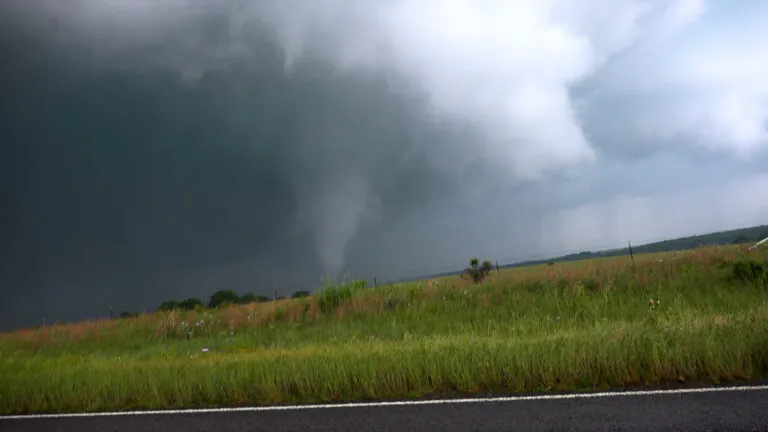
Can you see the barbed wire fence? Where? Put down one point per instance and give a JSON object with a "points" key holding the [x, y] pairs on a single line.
{"points": [[618, 248]]}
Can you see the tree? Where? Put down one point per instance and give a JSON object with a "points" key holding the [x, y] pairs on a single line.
{"points": [[246, 298], [168, 305], [223, 297], [190, 303], [300, 294], [126, 314]]}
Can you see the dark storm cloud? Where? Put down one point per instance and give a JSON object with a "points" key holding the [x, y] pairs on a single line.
{"points": [[127, 188], [156, 150]]}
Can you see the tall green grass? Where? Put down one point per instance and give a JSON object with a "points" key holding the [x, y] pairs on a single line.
{"points": [[695, 316]]}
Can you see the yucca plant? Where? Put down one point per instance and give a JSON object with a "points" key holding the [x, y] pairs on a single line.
{"points": [[477, 271]]}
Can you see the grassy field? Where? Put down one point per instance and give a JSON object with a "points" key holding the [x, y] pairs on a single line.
{"points": [[685, 317]]}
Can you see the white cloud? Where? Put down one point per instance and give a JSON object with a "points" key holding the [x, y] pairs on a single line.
{"points": [[647, 218], [502, 66], [507, 68], [705, 88]]}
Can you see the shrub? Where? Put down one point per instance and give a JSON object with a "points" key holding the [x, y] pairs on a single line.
{"points": [[189, 303], [251, 298], [331, 296], [750, 271]]}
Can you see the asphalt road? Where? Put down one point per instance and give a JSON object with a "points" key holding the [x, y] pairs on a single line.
{"points": [[701, 411]]}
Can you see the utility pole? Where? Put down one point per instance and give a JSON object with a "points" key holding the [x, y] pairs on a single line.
{"points": [[111, 315]]}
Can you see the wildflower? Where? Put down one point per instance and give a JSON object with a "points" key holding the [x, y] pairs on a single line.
{"points": [[205, 349]]}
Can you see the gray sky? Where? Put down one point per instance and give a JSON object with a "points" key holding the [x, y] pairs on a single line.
{"points": [[156, 150]]}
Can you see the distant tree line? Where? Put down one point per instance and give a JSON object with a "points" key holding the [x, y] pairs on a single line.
{"points": [[737, 236], [219, 299], [222, 298]]}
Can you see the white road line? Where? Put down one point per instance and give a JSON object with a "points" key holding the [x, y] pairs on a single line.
{"points": [[396, 403]]}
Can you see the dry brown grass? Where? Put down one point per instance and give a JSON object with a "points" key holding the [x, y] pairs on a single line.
{"points": [[601, 273]]}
